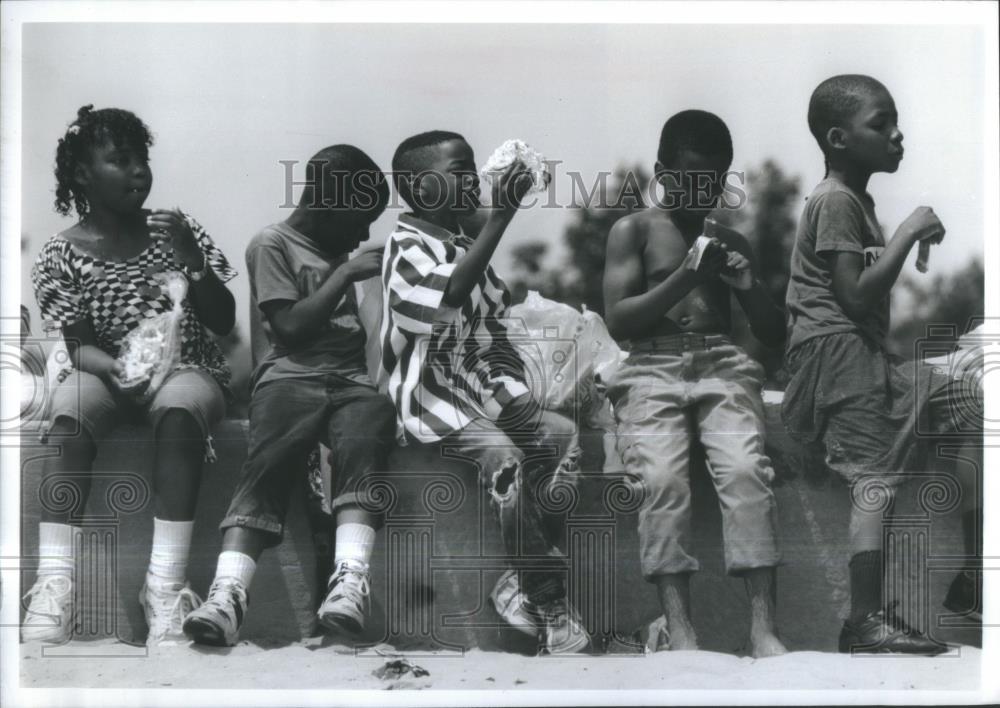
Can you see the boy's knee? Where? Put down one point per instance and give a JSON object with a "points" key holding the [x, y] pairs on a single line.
{"points": [[669, 488], [744, 475], [376, 414], [500, 478]]}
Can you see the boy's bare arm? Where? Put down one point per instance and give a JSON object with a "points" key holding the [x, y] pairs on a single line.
{"points": [[766, 319], [630, 311], [297, 322], [859, 289], [508, 191]]}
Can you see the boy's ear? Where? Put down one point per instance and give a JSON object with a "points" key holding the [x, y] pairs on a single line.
{"points": [[836, 138], [658, 170]]}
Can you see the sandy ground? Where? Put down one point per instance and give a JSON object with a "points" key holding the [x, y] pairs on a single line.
{"points": [[316, 664]]}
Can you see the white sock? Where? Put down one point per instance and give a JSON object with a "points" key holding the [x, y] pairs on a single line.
{"points": [[233, 564], [354, 542], [171, 548], [55, 549]]}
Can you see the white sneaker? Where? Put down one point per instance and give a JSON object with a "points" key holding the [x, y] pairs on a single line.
{"points": [[217, 621], [51, 614], [166, 606], [348, 600], [562, 628], [512, 605], [556, 623]]}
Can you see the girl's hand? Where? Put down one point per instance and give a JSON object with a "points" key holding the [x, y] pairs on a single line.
{"points": [[170, 225], [132, 389]]}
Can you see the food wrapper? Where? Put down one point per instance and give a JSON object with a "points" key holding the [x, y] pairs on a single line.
{"points": [[699, 247], [923, 255], [505, 155], [153, 349], [738, 279]]}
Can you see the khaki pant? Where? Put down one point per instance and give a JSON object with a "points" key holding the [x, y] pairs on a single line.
{"points": [[667, 391]]}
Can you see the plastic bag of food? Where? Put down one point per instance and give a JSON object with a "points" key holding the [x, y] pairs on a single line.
{"points": [[544, 333], [566, 354], [153, 349], [505, 155]]}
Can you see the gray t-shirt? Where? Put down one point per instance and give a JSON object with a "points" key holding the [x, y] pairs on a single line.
{"points": [[285, 265], [835, 219]]}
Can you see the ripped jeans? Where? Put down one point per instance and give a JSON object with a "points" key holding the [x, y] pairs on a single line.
{"points": [[525, 460]]}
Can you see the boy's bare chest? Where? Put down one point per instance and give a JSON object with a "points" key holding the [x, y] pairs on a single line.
{"points": [[663, 254], [703, 309]]}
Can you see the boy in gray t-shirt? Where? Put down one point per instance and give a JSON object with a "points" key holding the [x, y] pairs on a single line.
{"points": [[847, 393], [310, 384]]}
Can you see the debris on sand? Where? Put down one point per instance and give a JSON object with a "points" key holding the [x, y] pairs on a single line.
{"points": [[398, 668]]}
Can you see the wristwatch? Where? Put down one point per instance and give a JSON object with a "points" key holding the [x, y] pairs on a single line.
{"points": [[196, 276]]}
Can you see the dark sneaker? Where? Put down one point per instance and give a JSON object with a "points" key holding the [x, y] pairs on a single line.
{"points": [[561, 628], [348, 601], [883, 632], [217, 622], [965, 595]]}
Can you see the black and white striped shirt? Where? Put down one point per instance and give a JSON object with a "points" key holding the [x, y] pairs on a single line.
{"points": [[444, 367]]}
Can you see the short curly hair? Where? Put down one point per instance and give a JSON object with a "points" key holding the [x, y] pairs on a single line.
{"points": [[698, 131], [92, 128], [836, 100]]}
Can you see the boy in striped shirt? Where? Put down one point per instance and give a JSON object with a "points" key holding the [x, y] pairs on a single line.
{"points": [[456, 378]]}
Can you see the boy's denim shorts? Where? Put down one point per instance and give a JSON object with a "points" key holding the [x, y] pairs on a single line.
{"points": [[86, 399], [288, 418], [874, 415]]}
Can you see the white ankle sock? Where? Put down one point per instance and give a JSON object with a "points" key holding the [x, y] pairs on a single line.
{"points": [[171, 548], [233, 564], [55, 549], [354, 542]]}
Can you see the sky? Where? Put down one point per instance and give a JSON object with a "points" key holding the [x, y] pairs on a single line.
{"points": [[227, 103]]}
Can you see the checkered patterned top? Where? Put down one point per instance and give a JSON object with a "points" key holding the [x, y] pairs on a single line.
{"points": [[115, 296]]}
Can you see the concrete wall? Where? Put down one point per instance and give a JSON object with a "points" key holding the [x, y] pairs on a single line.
{"points": [[439, 555]]}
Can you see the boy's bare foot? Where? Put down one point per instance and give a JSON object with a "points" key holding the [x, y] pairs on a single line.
{"points": [[682, 638], [761, 588], [675, 599], [766, 644]]}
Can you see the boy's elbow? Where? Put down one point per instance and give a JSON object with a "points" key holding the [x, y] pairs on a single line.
{"points": [[854, 307], [289, 335], [614, 325]]}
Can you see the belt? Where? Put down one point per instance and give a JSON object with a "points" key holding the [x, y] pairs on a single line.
{"points": [[680, 343]]}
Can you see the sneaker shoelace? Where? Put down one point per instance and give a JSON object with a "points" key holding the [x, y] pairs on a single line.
{"points": [[555, 612], [352, 584], [169, 609], [43, 597], [228, 597]]}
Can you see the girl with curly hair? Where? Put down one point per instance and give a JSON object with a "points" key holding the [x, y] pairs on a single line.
{"points": [[95, 282]]}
